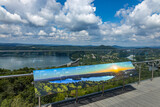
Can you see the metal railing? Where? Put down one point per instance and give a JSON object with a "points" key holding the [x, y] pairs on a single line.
{"points": [[138, 65]]}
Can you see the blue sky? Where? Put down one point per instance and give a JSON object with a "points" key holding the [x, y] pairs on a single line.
{"points": [[107, 9], [86, 22]]}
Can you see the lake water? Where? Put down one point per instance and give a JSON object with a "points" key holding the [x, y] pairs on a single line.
{"points": [[70, 80], [34, 62]]}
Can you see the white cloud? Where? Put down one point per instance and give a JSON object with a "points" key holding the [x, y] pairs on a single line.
{"points": [[153, 20], [4, 36], [37, 12], [81, 35], [144, 14], [76, 22], [26, 1], [139, 23], [155, 35], [123, 30], [78, 15], [10, 29], [50, 9], [6, 16], [29, 34], [52, 34], [42, 33], [53, 29], [3, 26], [36, 20]]}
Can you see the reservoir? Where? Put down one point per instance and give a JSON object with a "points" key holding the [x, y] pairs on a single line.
{"points": [[96, 79], [14, 62]]}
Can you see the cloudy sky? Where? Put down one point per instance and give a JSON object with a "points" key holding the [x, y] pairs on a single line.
{"points": [[81, 22]]}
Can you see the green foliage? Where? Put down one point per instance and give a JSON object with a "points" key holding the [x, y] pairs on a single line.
{"points": [[6, 103], [20, 92], [17, 92]]}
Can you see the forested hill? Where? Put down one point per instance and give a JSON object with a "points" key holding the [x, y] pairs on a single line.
{"points": [[49, 47]]}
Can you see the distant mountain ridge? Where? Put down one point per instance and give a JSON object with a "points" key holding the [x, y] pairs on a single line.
{"points": [[89, 46], [18, 46], [135, 47]]}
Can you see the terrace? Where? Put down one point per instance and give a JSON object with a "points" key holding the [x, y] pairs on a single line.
{"points": [[107, 94], [147, 94]]}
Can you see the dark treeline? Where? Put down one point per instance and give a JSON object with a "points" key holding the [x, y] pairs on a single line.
{"points": [[49, 47]]}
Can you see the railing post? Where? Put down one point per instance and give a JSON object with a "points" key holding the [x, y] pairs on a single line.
{"points": [[76, 95], [123, 82], [98, 87], [103, 89], [39, 101], [139, 74], [152, 71]]}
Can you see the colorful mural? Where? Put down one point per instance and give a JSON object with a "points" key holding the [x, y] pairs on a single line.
{"points": [[51, 81]]}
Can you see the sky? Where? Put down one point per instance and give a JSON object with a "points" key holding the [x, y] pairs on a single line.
{"points": [[81, 22], [100, 68]]}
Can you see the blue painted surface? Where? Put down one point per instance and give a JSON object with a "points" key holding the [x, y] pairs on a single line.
{"points": [[69, 80]]}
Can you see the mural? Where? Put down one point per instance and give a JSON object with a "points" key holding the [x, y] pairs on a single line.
{"points": [[57, 80]]}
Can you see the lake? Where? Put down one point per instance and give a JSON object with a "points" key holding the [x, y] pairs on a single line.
{"points": [[70, 80], [34, 62]]}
